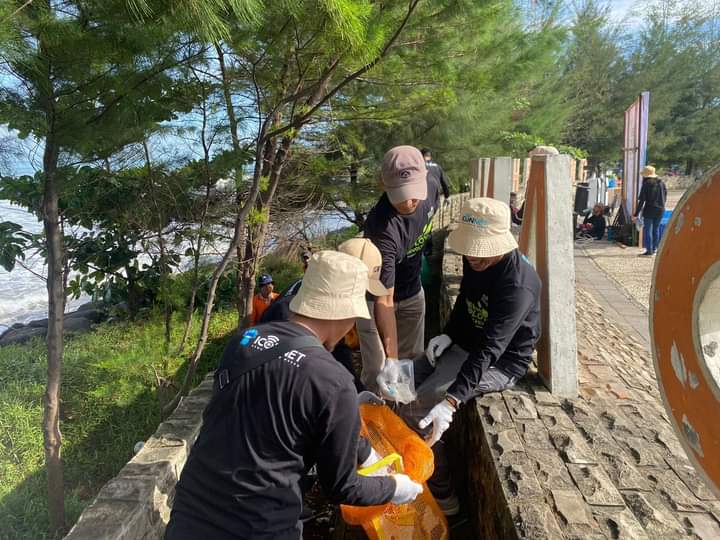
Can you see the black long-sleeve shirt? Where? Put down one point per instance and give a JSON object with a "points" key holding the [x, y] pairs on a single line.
{"points": [[496, 318], [262, 433], [652, 198], [437, 173]]}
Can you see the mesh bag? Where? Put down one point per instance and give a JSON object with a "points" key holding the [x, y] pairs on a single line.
{"points": [[404, 452]]}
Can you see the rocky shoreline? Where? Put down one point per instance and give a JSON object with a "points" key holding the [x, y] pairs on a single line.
{"points": [[76, 322]]}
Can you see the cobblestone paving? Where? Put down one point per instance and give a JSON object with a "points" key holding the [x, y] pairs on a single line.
{"points": [[605, 465]]}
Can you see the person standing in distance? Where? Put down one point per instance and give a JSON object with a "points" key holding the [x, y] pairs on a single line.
{"points": [[399, 225], [436, 172], [263, 299], [281, 405], [651, 202]]}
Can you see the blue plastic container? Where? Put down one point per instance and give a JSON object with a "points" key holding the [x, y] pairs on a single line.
{"points": [[664, 221]]}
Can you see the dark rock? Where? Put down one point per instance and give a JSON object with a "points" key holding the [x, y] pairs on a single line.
{"points": [[17, 325], [40, 323], [21, 335], [93, 315], [77, 324], [92, 305]]}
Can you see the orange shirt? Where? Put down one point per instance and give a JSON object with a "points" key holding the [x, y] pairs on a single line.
{"points": [[260, 304]]}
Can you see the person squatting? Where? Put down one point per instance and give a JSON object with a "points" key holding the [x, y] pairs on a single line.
{"points": [[283, 404]]}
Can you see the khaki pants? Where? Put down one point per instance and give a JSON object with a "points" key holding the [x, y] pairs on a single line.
{"points": [[410, 320]]}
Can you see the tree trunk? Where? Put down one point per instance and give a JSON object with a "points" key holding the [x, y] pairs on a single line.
{"points": [[202, 340], [56, 309]]}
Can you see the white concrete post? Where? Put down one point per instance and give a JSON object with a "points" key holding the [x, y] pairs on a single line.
{"points": [[501, 177], [547, 240]]}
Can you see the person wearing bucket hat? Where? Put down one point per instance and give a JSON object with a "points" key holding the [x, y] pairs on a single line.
{"points": [[363, 249], [263, 299], [651, 202], [280, 405], [489, 339], [399, 225]]}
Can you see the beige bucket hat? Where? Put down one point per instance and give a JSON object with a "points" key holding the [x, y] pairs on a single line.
{"points": [[648, 172], [333, 288], [484, 229], [367, 252]]}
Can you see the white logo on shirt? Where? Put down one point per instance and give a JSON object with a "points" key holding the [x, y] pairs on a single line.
{"points": [[294, 358], [263, 343]]}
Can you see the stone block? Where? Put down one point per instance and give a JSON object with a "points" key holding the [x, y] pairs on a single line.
{"points": [[535, 520], [702, 526], [116, 520], [641, 451], [519, 481], [675, 492], [21, 335], [520, 405], [180, 430], [572, 447], [507, 442], [595, 485], [543, 397], [190, 407], [691, 479], [534, 434], [624, 474], [550, 470], [657, 521], [619, 523], [555, 419], [571, 508], [617, 423]]}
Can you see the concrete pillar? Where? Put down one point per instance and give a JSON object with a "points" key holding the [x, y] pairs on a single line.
{"points": [[525, 172], [546, 238], [516, 175], [500, 179], [480, 175]]}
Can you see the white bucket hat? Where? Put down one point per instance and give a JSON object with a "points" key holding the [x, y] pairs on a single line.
{"points": [[484, 229], [333, 288], [367, 252]]}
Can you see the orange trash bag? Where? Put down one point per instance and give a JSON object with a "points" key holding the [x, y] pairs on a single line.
{"points": [[405, 452]]}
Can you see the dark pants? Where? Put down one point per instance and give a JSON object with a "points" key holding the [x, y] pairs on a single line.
{"points": [[431, 384], [651, 234]]}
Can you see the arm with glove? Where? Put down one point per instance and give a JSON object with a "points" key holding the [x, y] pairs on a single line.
{"points": [[482, 372], [337, 455]]}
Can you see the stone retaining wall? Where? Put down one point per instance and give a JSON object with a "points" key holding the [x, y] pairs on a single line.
{"points": [[606, 465]]}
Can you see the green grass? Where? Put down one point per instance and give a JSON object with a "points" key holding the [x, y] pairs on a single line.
{"points": [[109, 401]]}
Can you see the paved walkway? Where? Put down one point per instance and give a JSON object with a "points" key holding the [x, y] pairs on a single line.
{"points": [[619, 304]]}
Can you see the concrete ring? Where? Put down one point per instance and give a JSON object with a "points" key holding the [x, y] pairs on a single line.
{"points": [[683, 317]]}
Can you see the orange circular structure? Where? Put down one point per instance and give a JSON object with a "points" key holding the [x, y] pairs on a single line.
{"points": [[685, 324]]}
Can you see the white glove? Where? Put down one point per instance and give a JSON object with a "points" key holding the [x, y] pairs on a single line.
{"points": [[436, 347], [390, 374], [440, 416], [405, 489]]}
